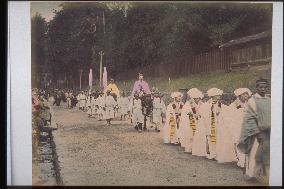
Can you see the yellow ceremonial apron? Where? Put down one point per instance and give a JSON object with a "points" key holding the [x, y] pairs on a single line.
{"points": [[192, 123], [213, 129], [172, 124]]}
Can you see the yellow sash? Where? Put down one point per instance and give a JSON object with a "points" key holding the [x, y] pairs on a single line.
{"points": [[172, 124], [213, 129], [192, 123]]}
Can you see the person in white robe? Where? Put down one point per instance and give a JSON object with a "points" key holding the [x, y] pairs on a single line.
{"points": [[171, 132], [89, 106], [190, 117], [213, 120], [234, 119], [100, 105], [85, 102], [159, 108], [135, 107], [82, 100], [123, 103], [68, 97], [109, 106], [129, 112], [93, 106]]}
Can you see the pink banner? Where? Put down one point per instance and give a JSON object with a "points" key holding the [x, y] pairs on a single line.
{"points": [[105, 78], [91, 78]]}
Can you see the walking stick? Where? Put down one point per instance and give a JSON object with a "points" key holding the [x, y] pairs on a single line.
{"points": [[207, 145]]}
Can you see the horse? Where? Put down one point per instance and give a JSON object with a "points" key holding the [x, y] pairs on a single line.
{"points": [[147, 107]]}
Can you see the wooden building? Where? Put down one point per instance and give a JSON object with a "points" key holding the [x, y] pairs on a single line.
{"points": [[235, 54], [250, 50]]}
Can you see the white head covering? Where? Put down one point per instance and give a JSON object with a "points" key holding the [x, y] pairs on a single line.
{"points": [[240, 91], [195, 93], [214, 92], [176, 94]]}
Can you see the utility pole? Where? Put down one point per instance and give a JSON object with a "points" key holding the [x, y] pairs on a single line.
{"points": [[104, 22], [101, 54], [80, 71]]}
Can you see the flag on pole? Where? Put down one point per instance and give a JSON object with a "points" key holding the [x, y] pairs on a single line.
{"points": [[91, 78], [105, 79]]}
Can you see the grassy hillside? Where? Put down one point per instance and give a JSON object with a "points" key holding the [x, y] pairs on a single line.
{"points": [[225, 81]]}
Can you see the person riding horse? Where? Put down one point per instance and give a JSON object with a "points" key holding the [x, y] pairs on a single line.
{"points": [[141, 87]]}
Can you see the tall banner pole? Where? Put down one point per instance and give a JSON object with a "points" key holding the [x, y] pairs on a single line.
{"points": [[101, 69], [81, 71], [91, 78]]}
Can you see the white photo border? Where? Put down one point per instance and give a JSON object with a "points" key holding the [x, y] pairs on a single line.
{"points": [[19, 92]]}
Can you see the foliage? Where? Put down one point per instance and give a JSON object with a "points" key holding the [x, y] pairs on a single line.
{"points": [[134, 34], [39, 55]]}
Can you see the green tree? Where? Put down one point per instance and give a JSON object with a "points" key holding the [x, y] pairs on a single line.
{"points": [[39, 56], [138, 33]]}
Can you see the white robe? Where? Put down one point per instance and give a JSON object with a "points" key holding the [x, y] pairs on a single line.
{"points": [[123, 103], [100, 104], [135, 107], [110, 104], [187, 131], [184, 122], [219, 150], [199, 139], [172, 113], [250, 162], [68, 97], [225, 148], [94, 106], [90, 100], [159, 108], [82, 100], [234, 119]]}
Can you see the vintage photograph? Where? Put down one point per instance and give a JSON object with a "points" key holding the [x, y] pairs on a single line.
{"points": [[151, 93]]}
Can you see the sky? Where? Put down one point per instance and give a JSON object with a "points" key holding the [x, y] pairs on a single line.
{"points": [[45, 9]]}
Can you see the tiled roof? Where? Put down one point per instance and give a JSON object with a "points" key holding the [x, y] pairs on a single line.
{"points": [[246, 39]]}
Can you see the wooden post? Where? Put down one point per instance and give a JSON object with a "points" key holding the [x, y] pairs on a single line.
{"points": [[170, 88], [81, 71], [101, 54]]}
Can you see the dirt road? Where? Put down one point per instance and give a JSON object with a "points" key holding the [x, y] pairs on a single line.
{"points": [[91, 153]]}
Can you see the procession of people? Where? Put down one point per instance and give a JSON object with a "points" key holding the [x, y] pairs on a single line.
{"points": [[239, 132]]}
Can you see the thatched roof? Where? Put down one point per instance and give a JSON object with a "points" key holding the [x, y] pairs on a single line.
{"points": [[246, 39]]}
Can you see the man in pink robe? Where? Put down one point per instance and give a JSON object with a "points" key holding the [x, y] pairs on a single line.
{"points": [[140, 86]]}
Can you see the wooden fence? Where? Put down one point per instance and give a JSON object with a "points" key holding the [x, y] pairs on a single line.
{"points": [[203, 63], [215, 60]]}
